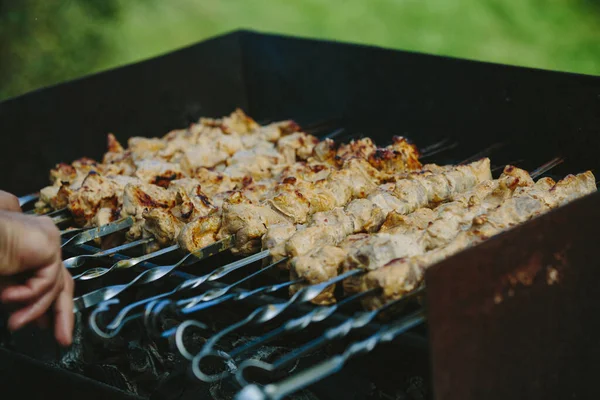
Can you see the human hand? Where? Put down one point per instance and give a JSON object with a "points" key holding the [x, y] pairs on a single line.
{"points": [[32, 276]]}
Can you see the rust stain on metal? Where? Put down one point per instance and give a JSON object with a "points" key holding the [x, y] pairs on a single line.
{"points": [[526, 275], [552, 275]]}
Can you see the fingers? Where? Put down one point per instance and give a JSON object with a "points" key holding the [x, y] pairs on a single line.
{"points": [[37, 307], [26, 242], [9, 202], [32, 276], [34, 287], [60, 295], [64, 319]]}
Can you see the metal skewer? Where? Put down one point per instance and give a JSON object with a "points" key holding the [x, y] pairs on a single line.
{"points": [[207, 299], [268, 312], [151, 275], [128, 313], [59, 216], [437, 148], [434, 146], [483, 153], [154, 311], [97, 296], [359, 320], [334, 134], [277, 391], [317, 314], [542, 169], [125, 264], [316, 127], [215, 293], [28, 198], [78, 261], [71, 231], [98, 232]]}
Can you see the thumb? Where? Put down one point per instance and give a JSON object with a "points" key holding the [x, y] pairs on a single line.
{"points": [[26, 242]]}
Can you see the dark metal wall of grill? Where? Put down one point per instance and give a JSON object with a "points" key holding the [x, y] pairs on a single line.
{"points": [[536, 115]]}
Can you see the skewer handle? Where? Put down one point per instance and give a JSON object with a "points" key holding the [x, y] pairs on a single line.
{"points": [[28, 199], [98, 232]]}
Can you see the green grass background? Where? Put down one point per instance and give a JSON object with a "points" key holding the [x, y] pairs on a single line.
{"points": [[43, 42]]}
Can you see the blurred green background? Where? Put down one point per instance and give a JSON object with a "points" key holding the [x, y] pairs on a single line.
{"points": [[47, 41]]}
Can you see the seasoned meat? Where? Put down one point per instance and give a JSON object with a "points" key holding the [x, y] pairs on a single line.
{"points": [[162, 225], [199, 233], [139, 198], [296, 146], [248, 222], [365, 215], [400, 223], [320, 265], [450, 218], [158, 172], [328, 259], [275, 238], [95, 192], [405, 274]]}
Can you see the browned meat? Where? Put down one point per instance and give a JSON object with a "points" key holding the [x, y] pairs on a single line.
{"points": [[403, 275]]}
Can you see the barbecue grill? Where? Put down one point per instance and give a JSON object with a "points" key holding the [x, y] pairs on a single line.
{"points": [[496, 325]]}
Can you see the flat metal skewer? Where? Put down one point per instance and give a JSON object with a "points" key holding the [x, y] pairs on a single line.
{"points": [[298, 381], [128, 312], [98, 232], [97, 272], [483, 153], [267, 312], [71, 231], [59, 216], [317, 314], [542, 169], [334, 134], [78, 261], [208, 299], [359, 320], [437, 148], [28, 198], [151, 275]]}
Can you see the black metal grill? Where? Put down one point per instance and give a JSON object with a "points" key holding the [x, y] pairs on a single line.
{"points": [[535, 115]]}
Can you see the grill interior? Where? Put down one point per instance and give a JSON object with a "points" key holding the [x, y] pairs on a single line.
{"points": [[520, 116]]}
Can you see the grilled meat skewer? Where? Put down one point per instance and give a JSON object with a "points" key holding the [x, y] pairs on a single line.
{"points": [[401, 235], [158, 160], [294, 200], [364, 215], [405, 274]]}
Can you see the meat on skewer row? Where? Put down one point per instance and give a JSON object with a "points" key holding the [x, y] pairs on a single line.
{"points": [[85, 202], [401, 236], [101, 200], [405, 274], [450, 219], [161, 213], [323, 263], [368, 214], [293, 200], [157, 160], [166, 223]]}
